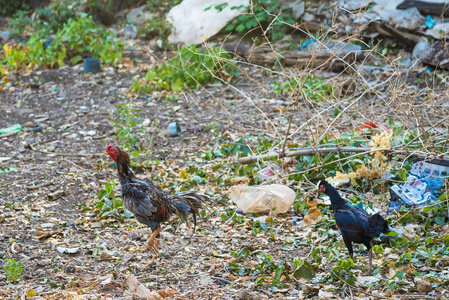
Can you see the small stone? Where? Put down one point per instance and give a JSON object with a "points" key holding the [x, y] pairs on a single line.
{"points": [[96, 225], [70, 269], [127, 257], [423, 286], [307, 289], [135, 237], [2, 219], [44, 262], [28, 124]]}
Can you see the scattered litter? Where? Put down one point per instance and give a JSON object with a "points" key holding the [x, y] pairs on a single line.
{"points": [[174, 129], [266, 198], [92, 65], [12, 129], [132, 284], [312, 217], [369, 127], [430, 22], [423, 183], [63, 250], [269, 172]]}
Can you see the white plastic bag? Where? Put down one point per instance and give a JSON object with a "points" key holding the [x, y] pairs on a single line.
{"points": [[254, 199]]}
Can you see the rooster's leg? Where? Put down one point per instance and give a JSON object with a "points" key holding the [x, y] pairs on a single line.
{"points": [[370, 260], [153, 242]]}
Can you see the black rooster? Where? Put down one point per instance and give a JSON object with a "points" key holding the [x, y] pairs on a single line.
{"points": [[149, 204], [355, 225]]}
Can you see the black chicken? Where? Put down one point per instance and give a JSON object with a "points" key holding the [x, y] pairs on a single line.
{"points": [[356, 226], [149, 204]]}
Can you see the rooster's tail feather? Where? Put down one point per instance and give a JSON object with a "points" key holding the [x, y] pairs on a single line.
{"points": [[189, 202], [377, 225]]}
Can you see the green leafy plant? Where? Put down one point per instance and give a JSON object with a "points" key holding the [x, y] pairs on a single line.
{"points": [[83, 37], [12, 269], [20, 22], [108, 205], [312, 86], [10, 7], [271, 13], [77, 39], [342, 272], [128, 126], [190, 69]]}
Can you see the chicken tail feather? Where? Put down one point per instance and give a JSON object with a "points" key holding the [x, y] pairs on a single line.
{"points": [[377, 225], [189, 202]]}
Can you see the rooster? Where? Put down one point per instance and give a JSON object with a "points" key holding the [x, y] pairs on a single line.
{"points": [[354, 223], [149, 204]]}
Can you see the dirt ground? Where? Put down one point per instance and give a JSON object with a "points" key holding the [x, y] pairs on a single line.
{"points": [[54, 168]]}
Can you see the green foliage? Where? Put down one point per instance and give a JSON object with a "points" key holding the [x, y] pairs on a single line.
{"points": [[342, 272], [238, 148], [271, 13], [4, 170], [10, 7], [12, 270], [313, 87], [46, 20], [128, 127], [83, 38], [77, 39], [108, 205], [190, 68], [20, 22]]}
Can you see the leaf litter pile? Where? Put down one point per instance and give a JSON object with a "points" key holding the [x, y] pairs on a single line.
{"points": [[65, 233]]}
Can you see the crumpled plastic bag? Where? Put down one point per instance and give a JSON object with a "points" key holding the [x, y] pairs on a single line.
{"points": [[254, 199]]}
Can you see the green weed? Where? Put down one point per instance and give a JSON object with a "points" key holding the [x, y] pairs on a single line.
{"points": [[109, 206], [12, 269], [189, 69], [128, 127], [313, 87]]}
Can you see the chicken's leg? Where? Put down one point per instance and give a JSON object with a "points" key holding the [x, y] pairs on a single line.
{"points": [[370, 258], [153, 242]]}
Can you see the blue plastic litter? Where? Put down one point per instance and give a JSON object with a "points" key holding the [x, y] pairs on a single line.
{"points": [[307, 43], [430, 22]]}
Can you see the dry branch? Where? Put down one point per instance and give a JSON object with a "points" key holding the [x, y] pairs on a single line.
{"points": [[315, 151], [265, 56]]}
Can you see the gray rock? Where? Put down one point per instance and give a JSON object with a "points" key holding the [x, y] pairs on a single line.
{"points": [[139, 15], [5, 35], [297, 8], [130, 31]]}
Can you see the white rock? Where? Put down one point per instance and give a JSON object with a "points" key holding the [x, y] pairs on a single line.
{"points": [[192, 24]]}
